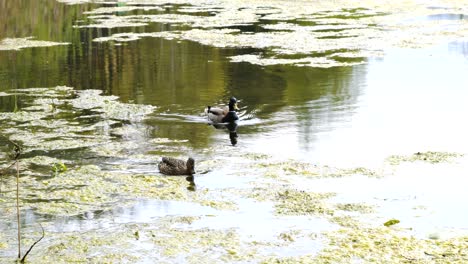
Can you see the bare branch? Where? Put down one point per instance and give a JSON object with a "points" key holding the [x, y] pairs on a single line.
{"points": [[37, 241]]}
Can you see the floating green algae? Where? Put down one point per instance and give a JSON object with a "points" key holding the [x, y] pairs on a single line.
{"points": [[342, 172], [45, 121], [295, 202], [75, 247], [289, 167], [283, 170], [391, 222], [210, 244], [349, 34], [355, 207], [429, 156], [367, 244], [168, 240], [29, 42], [109, 106], [382, 245], [289, 201], [289, 236], [43, 161]]}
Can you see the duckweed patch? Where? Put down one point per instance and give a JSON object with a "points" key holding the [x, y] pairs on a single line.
{"points": [[60, 122], [43, 161], [210, 245], [29, 42], [289, 236], [289, 167], [57, 118], [355, 207], [88, 188], [283, 169], [295, 202], [429, 156], [367, 244], [382, 245], [346, 34], [342, 172], [346, 221], [109, 247]]}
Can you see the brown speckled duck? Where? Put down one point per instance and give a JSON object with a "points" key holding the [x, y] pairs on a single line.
{"points": [[172, 166]]}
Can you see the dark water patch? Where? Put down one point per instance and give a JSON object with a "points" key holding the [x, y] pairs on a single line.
{"points": [[253, 28], [304, 22], [338, 37], [356, 59], [33, 200]]}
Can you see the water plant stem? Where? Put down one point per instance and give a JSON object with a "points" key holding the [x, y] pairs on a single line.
{"points": [[18, 209]]}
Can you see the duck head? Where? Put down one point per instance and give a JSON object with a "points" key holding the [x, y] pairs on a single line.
{"points": [[191, 166], [233, 104]]}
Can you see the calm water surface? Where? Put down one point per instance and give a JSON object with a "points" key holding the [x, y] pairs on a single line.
{"points": [[408, 101], [411, 100]]}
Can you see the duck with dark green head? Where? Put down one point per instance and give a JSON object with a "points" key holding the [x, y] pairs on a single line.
{"points": [[224, 114], [172, 166]]}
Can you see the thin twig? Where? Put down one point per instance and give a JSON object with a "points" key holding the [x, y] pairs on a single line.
{"points": [[17, 150], [18, 210], [37, 241]]}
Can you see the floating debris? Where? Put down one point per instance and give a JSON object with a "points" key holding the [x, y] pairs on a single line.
{"points": [[391, 222]]}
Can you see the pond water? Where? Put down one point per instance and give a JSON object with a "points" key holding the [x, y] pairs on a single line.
{"points": [[331, 87]]}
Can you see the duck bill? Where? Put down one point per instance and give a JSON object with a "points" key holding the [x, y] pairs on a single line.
{"points": [[235, 107]]}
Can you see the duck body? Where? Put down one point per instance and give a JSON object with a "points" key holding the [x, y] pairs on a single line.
{"points": [[224, 114], [172, 166]]}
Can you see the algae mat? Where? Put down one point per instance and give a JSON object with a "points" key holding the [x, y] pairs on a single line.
{"points": [[77, 180], [305, 33]]}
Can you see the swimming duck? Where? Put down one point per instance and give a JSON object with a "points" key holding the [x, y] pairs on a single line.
{"points": [[172, 166], [224, 114]]}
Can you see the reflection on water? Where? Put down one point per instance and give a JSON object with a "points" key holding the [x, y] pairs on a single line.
{"points": [[448, 17], [180, 78], [232, 128], [460, 47]]}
